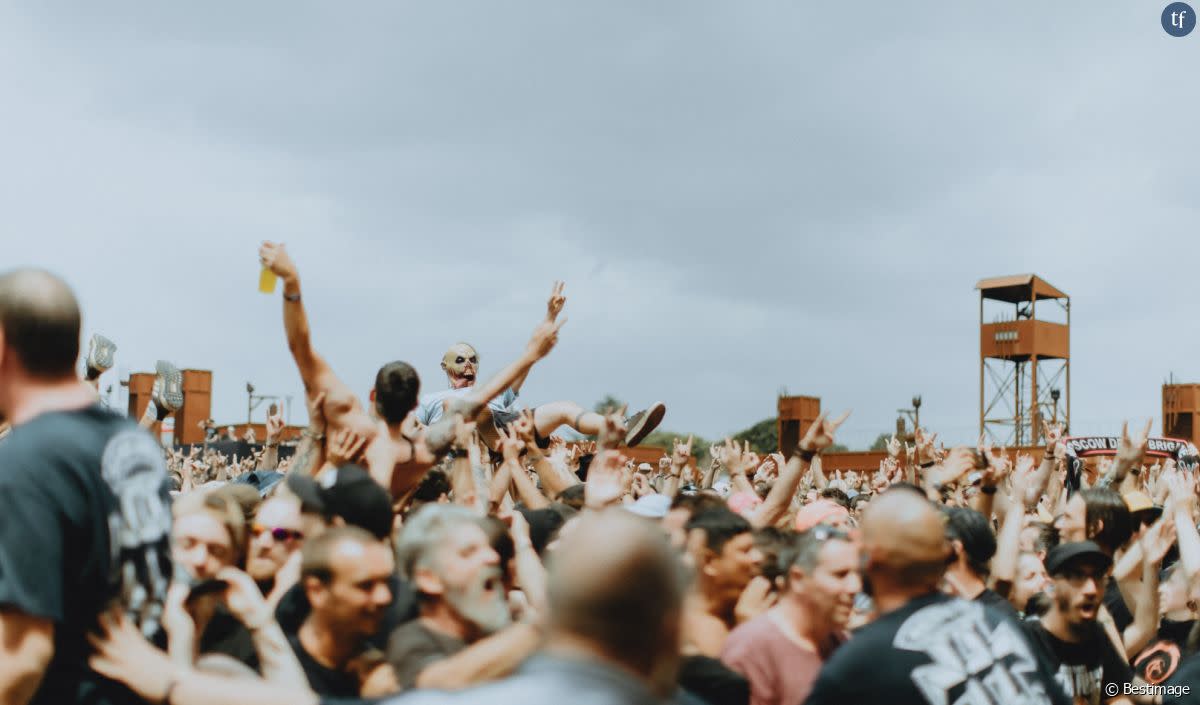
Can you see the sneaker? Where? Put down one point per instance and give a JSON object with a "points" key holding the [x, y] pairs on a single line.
{"points": [[169, 396], [100, 355], [641, 424]]}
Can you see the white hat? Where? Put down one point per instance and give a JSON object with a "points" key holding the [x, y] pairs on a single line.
{"points": [[653, 506]]}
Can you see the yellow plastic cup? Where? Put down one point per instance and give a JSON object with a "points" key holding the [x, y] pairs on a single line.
{"points": [[266, 281]]}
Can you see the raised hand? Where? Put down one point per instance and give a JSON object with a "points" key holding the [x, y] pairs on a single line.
{"points": [[274, 256], [544, 338], [606, 480], [681, 452], [555, 305], [511, 445], [1157, 539], [755, 599], [1132, 449], [345, 446], [244, 599], [1053, 433], [613, 433], [274, 428], [820, 434], [893, 447], [523, 426]]}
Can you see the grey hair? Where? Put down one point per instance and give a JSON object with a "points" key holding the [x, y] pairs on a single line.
{"points": [[423, 532], [804, 550]]}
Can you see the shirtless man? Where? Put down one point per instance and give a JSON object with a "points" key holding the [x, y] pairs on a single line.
{"points": [[396, 452], [461, 364]]}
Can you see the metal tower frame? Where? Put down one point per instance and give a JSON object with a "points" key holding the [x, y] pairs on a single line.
{"points": [[1024, 362]]}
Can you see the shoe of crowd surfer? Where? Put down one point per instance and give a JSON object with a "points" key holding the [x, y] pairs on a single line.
{"points": [[450, 548]]}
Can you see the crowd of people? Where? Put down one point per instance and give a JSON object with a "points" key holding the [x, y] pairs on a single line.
{"points": [[452, 547]]}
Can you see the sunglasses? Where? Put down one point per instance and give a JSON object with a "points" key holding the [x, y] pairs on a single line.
{"points": [[824, 532], [281, 535]]}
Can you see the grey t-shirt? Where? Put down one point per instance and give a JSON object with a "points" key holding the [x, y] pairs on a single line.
{"points": [[413, 647], [430, 410]]}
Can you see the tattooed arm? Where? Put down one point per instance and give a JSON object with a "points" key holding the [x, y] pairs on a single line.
{"points": [[310, 454]]}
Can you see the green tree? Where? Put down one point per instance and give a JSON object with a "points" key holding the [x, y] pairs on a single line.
{"points": [[881, 442], [763, 436], [608, 404]]}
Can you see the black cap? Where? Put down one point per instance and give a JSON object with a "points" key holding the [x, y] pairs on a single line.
{"points": [[348, 492], [1065, 554]]}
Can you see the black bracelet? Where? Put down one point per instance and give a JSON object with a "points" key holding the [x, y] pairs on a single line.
{"points": [[925, 466], [988, 489], [806, 455], [294, 298]]}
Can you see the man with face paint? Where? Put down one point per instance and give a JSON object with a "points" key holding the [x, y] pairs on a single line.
{"points": [[461, 364], [396, 452]]}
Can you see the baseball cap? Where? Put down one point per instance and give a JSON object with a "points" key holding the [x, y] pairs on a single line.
{"points": [[743, 502], [653, 506], [819, 512], [1065, 554], [1139, 503], [348, 492]]}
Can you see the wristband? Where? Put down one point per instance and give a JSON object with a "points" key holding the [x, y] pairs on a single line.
{"points": [[294, 298], [806, 455], [926, 466], [988, 489]]}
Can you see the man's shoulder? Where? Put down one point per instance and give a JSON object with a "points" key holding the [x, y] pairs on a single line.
{"points": [[748, 636], [76, 439]]}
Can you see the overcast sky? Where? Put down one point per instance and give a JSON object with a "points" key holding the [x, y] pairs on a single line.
{"points": [[741, 196]]}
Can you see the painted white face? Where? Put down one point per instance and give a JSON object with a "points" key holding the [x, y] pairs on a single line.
{"points": [[461, 363]]}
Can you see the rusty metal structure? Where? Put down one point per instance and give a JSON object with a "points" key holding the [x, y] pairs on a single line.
{"points": [[1024, 359], [796, 414], [1181, 411]]}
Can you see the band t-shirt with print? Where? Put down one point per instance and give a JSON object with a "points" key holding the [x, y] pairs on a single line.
{"points": [[1090, 669], [86, 525], [937, 650]]}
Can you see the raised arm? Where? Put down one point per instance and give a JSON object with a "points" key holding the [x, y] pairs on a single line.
{"points": [[439, 435], [1129, 455], [1154, 542], [819, 437], [554, 306], [313, 369]]}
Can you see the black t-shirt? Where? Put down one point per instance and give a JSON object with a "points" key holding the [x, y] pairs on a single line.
{"points": [[413, 647], [1114, 602], [225, 634], [1083, 668], [992, 599], [937, 649], [712, 682], [86, 523], [1187, 675], [324, 681], [1158, 661], [293, 609]]}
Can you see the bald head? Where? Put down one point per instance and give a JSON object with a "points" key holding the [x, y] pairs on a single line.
{"points": [[904, 536], [616, 584], [39, 322]]}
